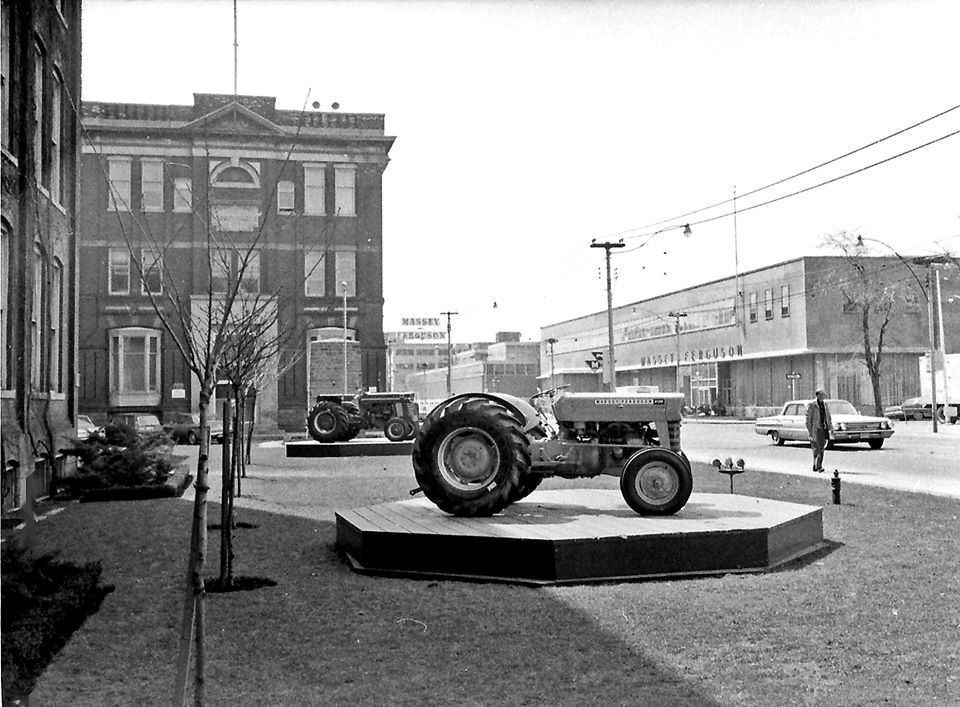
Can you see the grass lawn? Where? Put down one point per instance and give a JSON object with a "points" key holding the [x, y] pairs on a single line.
{"points": [[874, 620]]}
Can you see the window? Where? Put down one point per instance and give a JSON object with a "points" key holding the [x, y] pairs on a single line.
{"points": [[118, 185], [5, 271], [151, 185], [56, 327], [768, 303], [118, 271], [345, 179], [345, 268], [225, 266], [784, 301], [314, 188], [250, 279], [151, 275], [38, 112], [134, 366], [753, 307], [285, 197], [36, 315], [314, 282], [56, 154], [182, 194]]}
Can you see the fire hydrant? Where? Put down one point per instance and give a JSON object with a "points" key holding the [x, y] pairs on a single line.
{"points": [[835, 485]]}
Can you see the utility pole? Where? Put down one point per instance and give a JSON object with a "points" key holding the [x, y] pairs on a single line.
{"points": [[449, 353], [928, 262], [676, 331], [550, 342], [611, 367]]}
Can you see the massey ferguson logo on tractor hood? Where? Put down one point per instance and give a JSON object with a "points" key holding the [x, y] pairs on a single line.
{"points": [[628, 401]]}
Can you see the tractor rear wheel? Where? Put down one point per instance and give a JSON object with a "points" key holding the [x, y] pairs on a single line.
{"points": [[469, 457], [656, 482], [327, 422]]}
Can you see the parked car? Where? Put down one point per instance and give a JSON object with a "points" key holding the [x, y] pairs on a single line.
{"points": [[848, 424], [184, 428], [86, 428], [141, 422], [910, 409]]}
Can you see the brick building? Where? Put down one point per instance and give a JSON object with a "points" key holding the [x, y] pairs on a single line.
{"points": [[40, 48], [746, 344], [301, 193]]}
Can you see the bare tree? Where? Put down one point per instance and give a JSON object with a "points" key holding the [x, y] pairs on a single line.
{"points": [[876, 297]]}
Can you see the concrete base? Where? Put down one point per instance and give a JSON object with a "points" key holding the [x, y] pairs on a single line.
{"points": [[377, 447], [579, 535]]}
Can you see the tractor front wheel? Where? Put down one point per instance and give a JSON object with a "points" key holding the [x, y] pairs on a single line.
{"points": [[327, 422], [396, 429], [656, 482], [469, 457]]}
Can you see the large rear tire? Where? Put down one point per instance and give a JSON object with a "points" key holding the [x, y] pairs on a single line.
{"points": [[656, 482], [469, 457], [327, 422], [528, 484]]}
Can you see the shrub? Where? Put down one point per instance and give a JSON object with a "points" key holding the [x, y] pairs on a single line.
{"points": [[141, 460]]}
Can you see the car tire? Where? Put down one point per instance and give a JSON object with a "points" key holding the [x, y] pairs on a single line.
{"points": [[875, 443], [776, 438], [192, 438]]}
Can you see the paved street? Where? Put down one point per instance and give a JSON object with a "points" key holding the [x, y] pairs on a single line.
{"points": [[913, 459]]}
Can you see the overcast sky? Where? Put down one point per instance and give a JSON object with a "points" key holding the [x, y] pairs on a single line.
{"points": [[526, 129]]}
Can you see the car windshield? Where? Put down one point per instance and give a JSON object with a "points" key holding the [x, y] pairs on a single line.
{"points": [[84, 420], [913, 401], [148, 420], [841, 407]]}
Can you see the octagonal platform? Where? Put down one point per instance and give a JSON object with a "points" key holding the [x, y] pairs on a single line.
{"points": [[371, 447], [578, 535]]}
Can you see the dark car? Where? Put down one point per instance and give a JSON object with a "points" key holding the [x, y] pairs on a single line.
{"points": [[909, 409], [184, 428], [142, 423]]}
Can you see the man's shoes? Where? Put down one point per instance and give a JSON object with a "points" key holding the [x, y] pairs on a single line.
{"points": [[819, 470]]}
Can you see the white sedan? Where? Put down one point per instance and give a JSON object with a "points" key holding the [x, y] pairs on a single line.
{"points": [[848, 424]]}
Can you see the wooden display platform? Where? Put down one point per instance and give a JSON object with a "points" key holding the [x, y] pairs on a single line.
{"points": [[376, 447], [578, 535]]}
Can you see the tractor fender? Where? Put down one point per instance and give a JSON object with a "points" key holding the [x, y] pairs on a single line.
{"points": [[522, 409], [657, 450]]}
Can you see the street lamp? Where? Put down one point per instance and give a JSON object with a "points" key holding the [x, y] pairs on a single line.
{"points": [[343, 286], [928, 262], [676, 330]]}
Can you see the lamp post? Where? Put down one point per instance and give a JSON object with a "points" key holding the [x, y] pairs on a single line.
{"points": [[343, 286], [449, 354], [927, 262], [611, 368], [550, 342], [676, 330]]}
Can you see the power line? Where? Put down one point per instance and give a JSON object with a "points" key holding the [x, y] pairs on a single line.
{"points": [[787, 196], [793, 176]]}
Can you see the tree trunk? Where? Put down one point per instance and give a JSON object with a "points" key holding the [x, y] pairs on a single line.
{"points": [[226, 491], [191, 624]]}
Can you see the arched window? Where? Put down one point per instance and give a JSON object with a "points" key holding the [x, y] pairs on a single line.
{"points": [[56, 326]]}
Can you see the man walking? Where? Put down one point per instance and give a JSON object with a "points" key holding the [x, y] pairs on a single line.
{"points": [[818, 428]]}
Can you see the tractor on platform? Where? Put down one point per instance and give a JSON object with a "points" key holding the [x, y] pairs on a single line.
{"points": [[339, 418], [476, 453]]}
